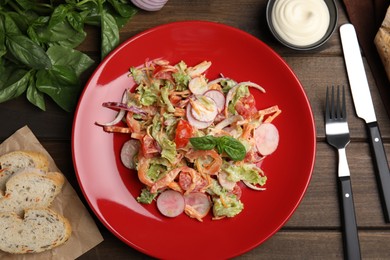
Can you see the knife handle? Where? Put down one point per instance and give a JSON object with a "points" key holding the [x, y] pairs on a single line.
{"points": [[350, 234], [382, 167]]}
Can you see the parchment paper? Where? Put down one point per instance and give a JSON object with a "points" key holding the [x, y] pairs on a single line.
{"points": [[85, 234]]}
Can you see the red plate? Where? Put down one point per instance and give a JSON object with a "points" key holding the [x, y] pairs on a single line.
{"points": [[111, 190]]}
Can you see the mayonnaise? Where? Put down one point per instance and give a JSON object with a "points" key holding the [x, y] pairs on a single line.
{"points": [[300, 22]]}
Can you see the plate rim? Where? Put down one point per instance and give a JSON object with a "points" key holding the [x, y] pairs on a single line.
{"points": [[222, 26]]}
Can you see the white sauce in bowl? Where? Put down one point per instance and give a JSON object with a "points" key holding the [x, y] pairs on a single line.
{"points": [[300, 22]]}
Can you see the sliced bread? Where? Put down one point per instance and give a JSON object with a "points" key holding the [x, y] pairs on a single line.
{"points": [[14, 161], [30, 188], [39, 230]]}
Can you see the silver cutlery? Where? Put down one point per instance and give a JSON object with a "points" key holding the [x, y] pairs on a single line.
{"points": [[365, 110], [337, 135]]}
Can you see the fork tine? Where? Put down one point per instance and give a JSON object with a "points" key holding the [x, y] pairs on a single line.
{"points": [[327, 115], [335, 106], [332, 113], [338, 105], [344, 109]]}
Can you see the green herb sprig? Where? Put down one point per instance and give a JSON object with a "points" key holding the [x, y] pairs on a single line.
{"points": [[38, 41], [231, 146]]}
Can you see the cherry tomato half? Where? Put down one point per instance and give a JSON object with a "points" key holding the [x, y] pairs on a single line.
{"points": [[183, 133], [246, 106]]}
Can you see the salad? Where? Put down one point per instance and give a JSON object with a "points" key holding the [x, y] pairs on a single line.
{"points": [[195, 143]]}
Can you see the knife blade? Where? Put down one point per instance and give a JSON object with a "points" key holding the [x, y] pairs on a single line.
{"points": [[365, 109]]}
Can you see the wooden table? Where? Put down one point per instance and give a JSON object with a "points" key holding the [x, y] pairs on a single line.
{"points": [[314, 231]]}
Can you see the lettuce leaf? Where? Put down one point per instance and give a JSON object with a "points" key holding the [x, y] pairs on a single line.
{"points": [[245, 172], [227, 206]]}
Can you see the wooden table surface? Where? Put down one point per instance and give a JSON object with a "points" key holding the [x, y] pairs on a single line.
{"points": [[314, 231]]}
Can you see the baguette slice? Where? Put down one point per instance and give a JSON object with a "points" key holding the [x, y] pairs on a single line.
{"points": [[382, 42], [31, 188], [14, 161], [39, 230]]}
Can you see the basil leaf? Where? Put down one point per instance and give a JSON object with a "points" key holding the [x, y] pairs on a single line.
{"points": [[123, 9], [35, 96], [61, 33], [27, 51], [233, 148], [78, 61], [26, 4], [110, 33], [10, 25], [13, 84], [207, 142], [3, 50], [76, 20], [61, 84], [58, 15]]}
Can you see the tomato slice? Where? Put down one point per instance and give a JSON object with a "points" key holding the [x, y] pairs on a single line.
{"points": [[246, 106], [183, 133]]}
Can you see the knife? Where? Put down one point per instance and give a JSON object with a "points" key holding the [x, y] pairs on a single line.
{"points": [[365, 109]]}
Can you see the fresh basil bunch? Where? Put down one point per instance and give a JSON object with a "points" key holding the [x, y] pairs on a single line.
{"points": [[38, 41]]}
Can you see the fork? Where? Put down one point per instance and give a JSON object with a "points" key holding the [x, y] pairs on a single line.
{"points": [[337, 135]]}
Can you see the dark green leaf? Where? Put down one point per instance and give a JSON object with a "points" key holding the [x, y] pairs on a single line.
{"points": [[62, 33], [14, 83], [26, 4], [31, 30], [78, 61], [10, 25], [35, 96], [61, 84], [207, 142], [123, 9], [233, 148], [89, 6], [109, 32], [3, 49], [27, 51], [76, 20], [58, 16]]}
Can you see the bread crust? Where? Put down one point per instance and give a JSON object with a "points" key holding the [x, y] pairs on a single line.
{"points": [[27, 190], [39, 230], [382, 42], [13, 161], [30, 188]]}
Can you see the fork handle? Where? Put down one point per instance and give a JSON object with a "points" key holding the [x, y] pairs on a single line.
{"points": [[382, 167], [350, 234]]}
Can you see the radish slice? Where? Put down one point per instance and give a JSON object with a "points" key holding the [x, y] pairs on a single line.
{"points": [[170, 203], [266, 138], [194, 122], [198, 85], [218, 97], [225, 183], [204, 109], [198, 201], [128, 151]]}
